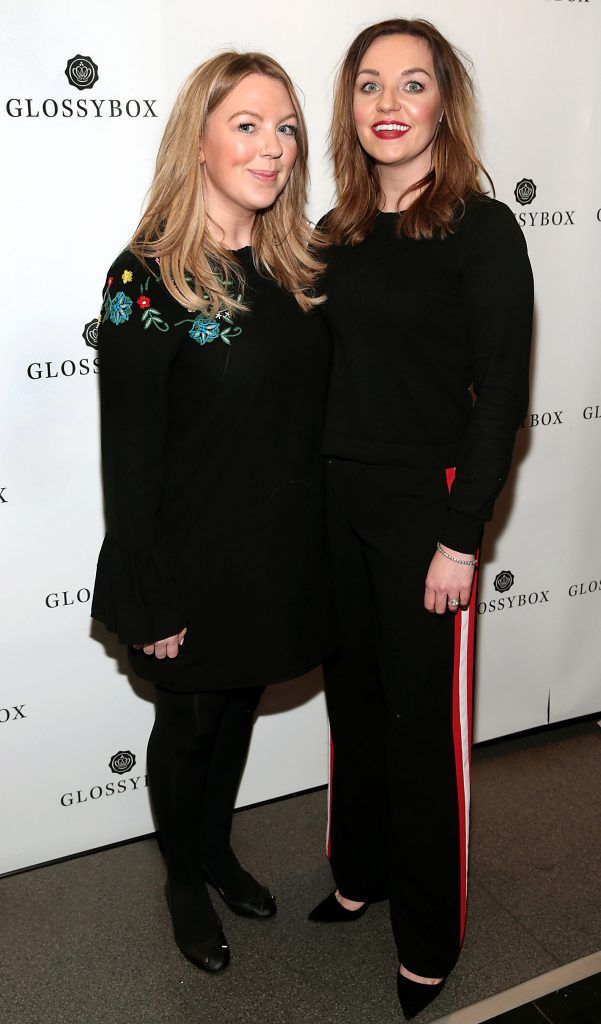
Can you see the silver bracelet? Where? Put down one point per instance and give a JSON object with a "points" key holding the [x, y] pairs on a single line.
{"points": [[459, 561]]}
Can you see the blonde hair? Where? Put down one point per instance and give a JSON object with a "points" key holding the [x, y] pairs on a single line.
{"points": [[199, 272], [456, 167]]}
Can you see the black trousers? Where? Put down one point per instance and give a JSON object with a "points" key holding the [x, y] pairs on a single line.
{"points": [[399, 702], [196, 754]]}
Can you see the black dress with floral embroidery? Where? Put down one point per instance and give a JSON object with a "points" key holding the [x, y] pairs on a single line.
{"points": [[211, 433]]}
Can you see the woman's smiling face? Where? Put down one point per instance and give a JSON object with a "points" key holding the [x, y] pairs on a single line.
{"points": [[397, 103], [249, 147]]}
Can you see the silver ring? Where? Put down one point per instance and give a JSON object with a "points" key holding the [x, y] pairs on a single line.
{"points": [[453, 602]]}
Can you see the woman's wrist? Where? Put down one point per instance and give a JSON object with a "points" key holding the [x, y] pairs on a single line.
{"points": [[470, 560]]}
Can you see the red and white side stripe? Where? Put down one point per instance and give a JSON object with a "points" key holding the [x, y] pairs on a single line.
{"points": [[463, 688]]}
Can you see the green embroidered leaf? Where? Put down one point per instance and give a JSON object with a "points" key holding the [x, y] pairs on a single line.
{"points": [[152, 318]]}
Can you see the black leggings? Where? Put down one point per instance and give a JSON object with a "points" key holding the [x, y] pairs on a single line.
{"points": [[196, 754]]}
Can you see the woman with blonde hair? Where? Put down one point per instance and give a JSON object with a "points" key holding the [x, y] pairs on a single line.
{"points": [[429, 300], [214, 365]]}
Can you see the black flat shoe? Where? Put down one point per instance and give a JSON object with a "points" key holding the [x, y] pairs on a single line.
{"points": [[414, 997], [211, 954], [330, 911], [261, 905]]}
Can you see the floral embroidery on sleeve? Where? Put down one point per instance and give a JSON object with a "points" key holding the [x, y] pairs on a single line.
{"points": [[118, 308], [204, 329]]}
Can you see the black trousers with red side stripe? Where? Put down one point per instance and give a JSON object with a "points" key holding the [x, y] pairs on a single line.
{"points": [[399, 699]]}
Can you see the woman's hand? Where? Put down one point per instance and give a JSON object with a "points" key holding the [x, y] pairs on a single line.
{"points": [[446, 581], [168, 648]]}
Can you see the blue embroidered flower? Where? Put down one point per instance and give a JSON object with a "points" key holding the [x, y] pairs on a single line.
{"points": [[204, 329], [120, 308]]}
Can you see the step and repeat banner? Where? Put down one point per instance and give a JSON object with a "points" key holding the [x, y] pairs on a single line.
{"points": [[85, 93]]}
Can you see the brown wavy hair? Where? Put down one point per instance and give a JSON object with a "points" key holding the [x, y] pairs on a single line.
{"points": [[456, 167], [199, 272]]}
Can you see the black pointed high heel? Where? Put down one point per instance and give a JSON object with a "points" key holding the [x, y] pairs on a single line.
{"points": [[330, 911], [262, 905], [414, 996], [211, 954]]}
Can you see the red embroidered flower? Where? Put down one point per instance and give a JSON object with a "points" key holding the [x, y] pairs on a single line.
{"points": [[143, 301], [109, 282]]}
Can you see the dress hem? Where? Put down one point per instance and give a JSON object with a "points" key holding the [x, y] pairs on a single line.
{"points": [[295, 672]]}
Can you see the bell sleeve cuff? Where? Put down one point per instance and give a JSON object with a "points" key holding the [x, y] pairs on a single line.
{"points": [[136, 595]]}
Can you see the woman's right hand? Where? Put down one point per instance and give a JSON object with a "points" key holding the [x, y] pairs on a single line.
{"points": [[168, 648]]}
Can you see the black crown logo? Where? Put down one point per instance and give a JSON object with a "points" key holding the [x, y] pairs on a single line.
{"points": [[81, 72], [504, 581], [525, 191], [121, 762], [90, 333]]}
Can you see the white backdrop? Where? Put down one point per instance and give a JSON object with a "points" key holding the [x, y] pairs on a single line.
{"points": [[76, 166]]}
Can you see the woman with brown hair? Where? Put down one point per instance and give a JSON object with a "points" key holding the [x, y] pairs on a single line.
{"points": [[214, 365], [429, 301]]}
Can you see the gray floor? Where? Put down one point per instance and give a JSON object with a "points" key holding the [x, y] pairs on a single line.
{"points": [[87, 941]]}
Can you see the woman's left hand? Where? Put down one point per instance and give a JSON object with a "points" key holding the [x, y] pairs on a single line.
{"points": [[446, 581]]}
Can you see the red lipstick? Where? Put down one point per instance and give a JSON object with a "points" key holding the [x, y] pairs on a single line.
{"points": [[396, 130]]}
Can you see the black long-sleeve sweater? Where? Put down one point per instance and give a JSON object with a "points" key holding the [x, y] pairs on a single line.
{"points": [[211, 434], [419, 328]]}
